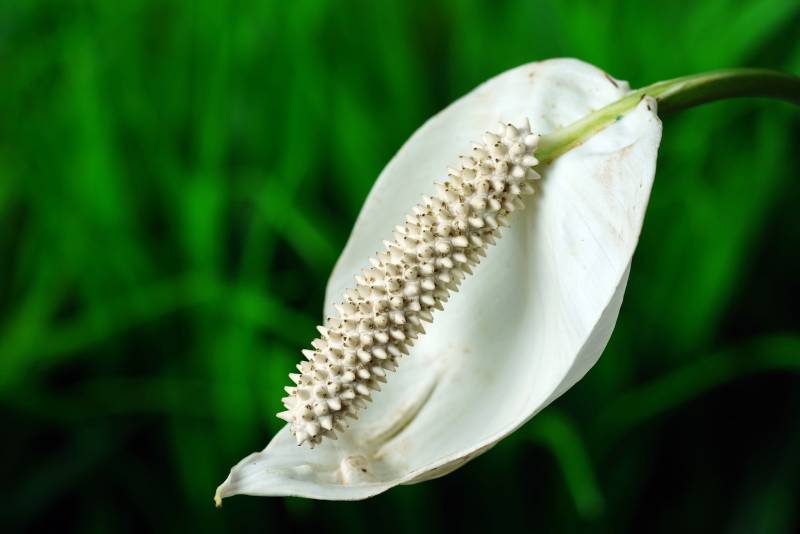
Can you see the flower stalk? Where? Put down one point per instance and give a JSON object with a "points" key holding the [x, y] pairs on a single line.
{"points": [[672, 96]]}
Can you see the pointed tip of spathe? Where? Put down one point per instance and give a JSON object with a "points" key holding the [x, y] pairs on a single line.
{"points": [[218, 499]]}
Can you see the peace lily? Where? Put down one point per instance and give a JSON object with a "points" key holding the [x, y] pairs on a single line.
{"points": [[463, 348]]}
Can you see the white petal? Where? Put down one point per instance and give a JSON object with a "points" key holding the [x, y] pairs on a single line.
{"points": [[528, 324]]}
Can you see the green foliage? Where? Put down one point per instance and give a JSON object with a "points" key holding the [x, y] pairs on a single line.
{"points": [[177, 178]]}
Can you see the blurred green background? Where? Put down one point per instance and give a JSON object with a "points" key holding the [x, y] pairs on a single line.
{"points": [[177, 179]]}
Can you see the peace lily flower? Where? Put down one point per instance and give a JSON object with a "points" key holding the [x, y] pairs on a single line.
{"points": [[463, 348]]}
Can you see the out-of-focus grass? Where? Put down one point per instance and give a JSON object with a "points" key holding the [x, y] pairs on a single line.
{"points": [[177, 178]]}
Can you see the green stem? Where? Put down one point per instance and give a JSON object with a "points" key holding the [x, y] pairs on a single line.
{"points": [[674, 95]]}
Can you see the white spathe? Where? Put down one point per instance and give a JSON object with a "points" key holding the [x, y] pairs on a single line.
{"points": [[529, 323]]}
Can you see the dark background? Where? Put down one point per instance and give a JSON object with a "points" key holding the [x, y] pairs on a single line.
{"points": [[177, 179]]}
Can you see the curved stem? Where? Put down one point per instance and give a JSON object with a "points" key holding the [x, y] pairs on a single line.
{"points": [[675, 95]]}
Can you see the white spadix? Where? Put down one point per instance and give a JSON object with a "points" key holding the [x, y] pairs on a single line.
{"points": [[433, 250], [504, 341]]}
